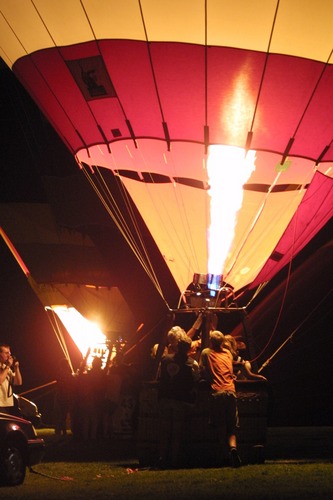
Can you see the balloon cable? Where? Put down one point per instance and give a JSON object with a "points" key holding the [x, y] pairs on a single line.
{"points": [[266, 363]]}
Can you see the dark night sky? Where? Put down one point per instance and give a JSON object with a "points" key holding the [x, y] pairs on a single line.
{"points": [[301, 374], [25, 137]]}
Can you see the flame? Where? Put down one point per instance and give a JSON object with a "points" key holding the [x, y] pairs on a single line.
{"points": [[228, 169], [84, 333]]}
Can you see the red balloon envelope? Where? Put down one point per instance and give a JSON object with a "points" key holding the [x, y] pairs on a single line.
{"points": [[154, 90]]}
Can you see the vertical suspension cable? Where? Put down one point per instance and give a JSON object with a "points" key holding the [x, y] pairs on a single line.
{"points": [[206, 126], [143, 258], [265, 66], [114, 212], [158, 96], [277, 321], [254, 222]]}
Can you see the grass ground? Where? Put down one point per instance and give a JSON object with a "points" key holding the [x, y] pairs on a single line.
{"points": [[299, 464]]}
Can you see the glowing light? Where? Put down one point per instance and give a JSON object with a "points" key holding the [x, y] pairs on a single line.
{"points": [[84, 333], [238, 106], [228, 169]]}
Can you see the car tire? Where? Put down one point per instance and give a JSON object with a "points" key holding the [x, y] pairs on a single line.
{"points": [[12, 465]]}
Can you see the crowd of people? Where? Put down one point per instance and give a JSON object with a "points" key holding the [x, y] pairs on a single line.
{"points": [[86, 401], [182, 366]]}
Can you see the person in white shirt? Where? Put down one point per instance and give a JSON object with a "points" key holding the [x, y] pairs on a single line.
{"points": [[10, 376]]}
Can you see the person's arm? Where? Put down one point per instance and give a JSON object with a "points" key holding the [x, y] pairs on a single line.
{"points": [[3, 373], [17, 374], [203, 365], [247, 371], [196, 344], [195, 327], [195, 371]]}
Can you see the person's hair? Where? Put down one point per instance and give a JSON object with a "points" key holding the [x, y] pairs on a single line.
{"points": [[4, 346], [184, 345], [216, 339], [175, 334]]}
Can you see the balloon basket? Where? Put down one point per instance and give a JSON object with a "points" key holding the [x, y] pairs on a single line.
{"points": [[200, 446]]}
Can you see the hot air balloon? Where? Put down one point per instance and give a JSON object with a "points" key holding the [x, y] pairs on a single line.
{"points": [[210, 120]]}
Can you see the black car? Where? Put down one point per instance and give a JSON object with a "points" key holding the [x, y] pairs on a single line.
{"points": [[28, 410], [20, 447]]}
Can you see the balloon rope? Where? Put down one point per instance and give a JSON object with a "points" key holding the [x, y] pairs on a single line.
{"points": [[266, 363], [283, 298], [265, 65], [253, 224], [114, 212]]}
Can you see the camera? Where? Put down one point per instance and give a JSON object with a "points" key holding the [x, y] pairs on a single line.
{"points": [[12, 362]]}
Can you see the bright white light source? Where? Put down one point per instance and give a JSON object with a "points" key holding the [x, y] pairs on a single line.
{"points": [[84, 333], [228, 169]]}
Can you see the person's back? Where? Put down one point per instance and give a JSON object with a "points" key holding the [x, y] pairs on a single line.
{"points": [[177, 378], [216, 365], [93, 393], [63, 398]]}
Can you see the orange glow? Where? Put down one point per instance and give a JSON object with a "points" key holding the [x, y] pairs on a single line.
{"points": [[237, 111], [84, 333], [228, 169]]}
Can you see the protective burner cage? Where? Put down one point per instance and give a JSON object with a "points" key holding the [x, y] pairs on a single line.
{"points": [[208, 291]]}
